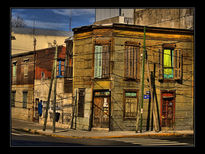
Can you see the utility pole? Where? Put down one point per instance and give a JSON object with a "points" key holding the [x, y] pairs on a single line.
{"points": [[34, 67], [54, 95], [49, 93], [153, 107], [142, 89], [70, 19]]}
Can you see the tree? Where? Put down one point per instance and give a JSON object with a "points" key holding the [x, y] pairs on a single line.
{"points": [[18, 22]]}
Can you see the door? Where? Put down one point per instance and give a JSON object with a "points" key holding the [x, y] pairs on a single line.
{"points": [[168, 111], [101, 112], [35, 110]]}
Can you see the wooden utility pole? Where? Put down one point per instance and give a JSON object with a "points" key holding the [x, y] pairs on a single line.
{"points": [[153, 107], [49, 94], [54, 93], [142, 90], [74, 112]]}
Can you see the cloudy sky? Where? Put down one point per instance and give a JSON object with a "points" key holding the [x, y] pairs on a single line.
{"points": [[55, 18]]}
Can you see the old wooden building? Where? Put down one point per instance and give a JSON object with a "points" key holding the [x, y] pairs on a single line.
{"points": [[31, 76], [22, 85], [107, 62]]}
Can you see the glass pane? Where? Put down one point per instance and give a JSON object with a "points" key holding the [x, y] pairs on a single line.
{"points": [[168, 70], [167, 58], [14, 69], [133, 94], [98, 62], [168, 73]]}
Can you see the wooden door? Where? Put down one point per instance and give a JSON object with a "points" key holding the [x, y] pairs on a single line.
{"points": [[101, 112], [35, 110], [167, 112]]}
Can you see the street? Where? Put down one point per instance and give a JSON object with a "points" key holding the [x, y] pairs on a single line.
{"points": [[20, 138]]}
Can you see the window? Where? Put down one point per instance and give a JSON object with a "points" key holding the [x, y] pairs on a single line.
{"points": [[14, 72], [81, 102], [101, 63], [42, 75], [60, 68], [68, 85], [26, 67], [25, 93], [130, 103], [170, 63], [70, 67], [49, 44], [13, 95], [131, 63]]}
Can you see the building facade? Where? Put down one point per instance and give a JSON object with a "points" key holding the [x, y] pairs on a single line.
{"points": [[181, 18], [24, 39], [107, 71], [22, 85], [31, 76]]}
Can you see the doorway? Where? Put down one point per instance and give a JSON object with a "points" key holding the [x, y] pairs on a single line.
{"points": [[101, 109], [167, 110], [35, 110]]}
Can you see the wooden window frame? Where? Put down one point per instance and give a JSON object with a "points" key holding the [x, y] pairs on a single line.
{"points": [[81, 105], [26, 68], [26, 102], [13, 98], [60, 72], [172, 63], [132, 51], [124, 102], [105, 68], [177, 63], [14, 76]]}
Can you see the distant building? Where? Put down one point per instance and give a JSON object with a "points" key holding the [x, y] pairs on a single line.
{"points": [[22, 39], [30, 81], [114, 16], [182, 18]]}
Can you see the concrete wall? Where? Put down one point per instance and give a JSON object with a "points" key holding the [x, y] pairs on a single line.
{"points": [[24, 42], [22, 83], [165, 17], [18, 111], [63, 101]]}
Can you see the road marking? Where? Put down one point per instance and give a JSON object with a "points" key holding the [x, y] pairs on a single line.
{"points": [[146, 142], [16, 134], [24, 134]]}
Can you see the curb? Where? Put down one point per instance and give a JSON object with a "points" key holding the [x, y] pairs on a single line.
{"points": [[99, 137]]}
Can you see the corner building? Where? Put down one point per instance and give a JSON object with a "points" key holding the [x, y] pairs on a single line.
{"points": [[107, 63]]}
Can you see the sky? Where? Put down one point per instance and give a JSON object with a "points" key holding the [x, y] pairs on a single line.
{"points": [[57, 19]]}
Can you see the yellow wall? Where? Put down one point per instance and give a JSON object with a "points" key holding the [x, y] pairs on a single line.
{"points": [[24, 42]]}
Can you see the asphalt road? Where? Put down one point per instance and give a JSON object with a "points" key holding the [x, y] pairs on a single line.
{"points": [[19, 138]]}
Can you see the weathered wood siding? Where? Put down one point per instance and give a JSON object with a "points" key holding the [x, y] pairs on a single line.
{"points": [[83, 68], [184, 90]]}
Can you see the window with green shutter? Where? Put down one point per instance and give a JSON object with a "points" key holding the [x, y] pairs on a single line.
{"points": [[101, 61], [14, 72]]}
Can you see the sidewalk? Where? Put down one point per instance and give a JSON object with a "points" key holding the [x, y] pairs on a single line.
{"points": [[70, 133]]}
